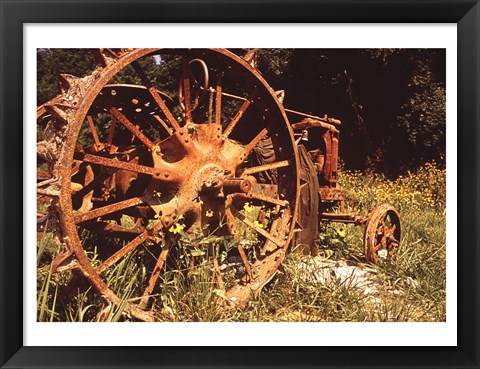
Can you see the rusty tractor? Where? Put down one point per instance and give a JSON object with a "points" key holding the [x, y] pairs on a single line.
{"points": [[131, 170]]}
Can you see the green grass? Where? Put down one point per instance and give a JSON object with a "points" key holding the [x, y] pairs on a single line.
{"points": [[413, 288]]}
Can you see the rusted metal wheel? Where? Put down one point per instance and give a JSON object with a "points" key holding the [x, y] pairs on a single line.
{"points": [[382, 234], [154, 171]]}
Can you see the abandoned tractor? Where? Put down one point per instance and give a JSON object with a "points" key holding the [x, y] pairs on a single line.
{"points": [[131, 171]]}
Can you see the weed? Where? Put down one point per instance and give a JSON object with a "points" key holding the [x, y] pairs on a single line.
{"points": [[334, 286]]}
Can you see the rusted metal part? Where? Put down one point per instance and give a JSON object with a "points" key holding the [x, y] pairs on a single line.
{"points": [[194, 85], [156, 96], [382, 234], [324, 119], [186, 89], [132, 128], [261, 231], [251, 57], [63, 262], [248, 149], [245, 262], [155, 274], [262, 197], [382, 237], [237, 117], [156, 171], [332, 194], [161, 172], [132, 245], [218, 99], [114, 230], [233, 185], [343, 218], [266, 266], [184, 176], [41, 110], [309, 123], [108, 209], [43, 175], [261, 168]]}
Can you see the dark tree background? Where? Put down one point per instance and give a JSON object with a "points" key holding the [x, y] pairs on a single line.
{"points": [[391, 101]]}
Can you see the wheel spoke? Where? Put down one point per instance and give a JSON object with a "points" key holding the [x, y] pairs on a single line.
{"points": [[156, 96], [237, 117], [273, 230], [155, 274], [377, 247], [163, 124], [186, 92], [111, 132], [262, 168], [76, 167], [117, 164], [132, 128], [129, 247], [108, 209], [114, 230], [260, 230], [246, 151], [163, 172], [94, 131], [258, 196], [245, 261], [218, 100]]}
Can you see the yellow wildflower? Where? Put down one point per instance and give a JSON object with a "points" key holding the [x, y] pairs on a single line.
{"points": [[247, 207], [258, 224], [176, 228], [341, 232]]}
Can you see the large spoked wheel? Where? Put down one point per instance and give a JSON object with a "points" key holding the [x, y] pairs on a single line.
{"points": [[382, 234], [139, 171]]}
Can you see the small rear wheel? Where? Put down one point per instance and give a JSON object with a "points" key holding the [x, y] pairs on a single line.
{"points": [[382, 234]]}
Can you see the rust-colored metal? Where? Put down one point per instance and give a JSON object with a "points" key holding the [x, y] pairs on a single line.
{"points": [[132, 128], [237, 117], [343, 218], [161, 169], [185, 176], [193, 86], [382, 234], [261, 168], [108, 209], [382, 225], [155, 274]]}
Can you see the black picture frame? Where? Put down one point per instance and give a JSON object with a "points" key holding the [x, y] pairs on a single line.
{"points": [[14, 14]]}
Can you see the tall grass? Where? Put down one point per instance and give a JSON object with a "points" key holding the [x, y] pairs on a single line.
{"points": [[412, 288]]}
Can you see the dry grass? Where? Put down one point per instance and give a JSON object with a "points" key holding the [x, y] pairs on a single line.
{"points": [[411, 289]]}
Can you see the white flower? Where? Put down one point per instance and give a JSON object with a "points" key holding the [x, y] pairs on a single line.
{"points": [[383, 253]]}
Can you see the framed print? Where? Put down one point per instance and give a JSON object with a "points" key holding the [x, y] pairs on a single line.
{"points": [[226, 184]]}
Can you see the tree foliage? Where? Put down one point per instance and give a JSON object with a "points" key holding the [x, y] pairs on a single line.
{"points": [[391, 101]]}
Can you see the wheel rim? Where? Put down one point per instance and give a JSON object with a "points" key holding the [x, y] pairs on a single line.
{"points": [[189, 176], [382, 234]]}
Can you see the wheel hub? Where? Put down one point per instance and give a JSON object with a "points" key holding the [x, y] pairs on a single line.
{"points": [[203, 172]]}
